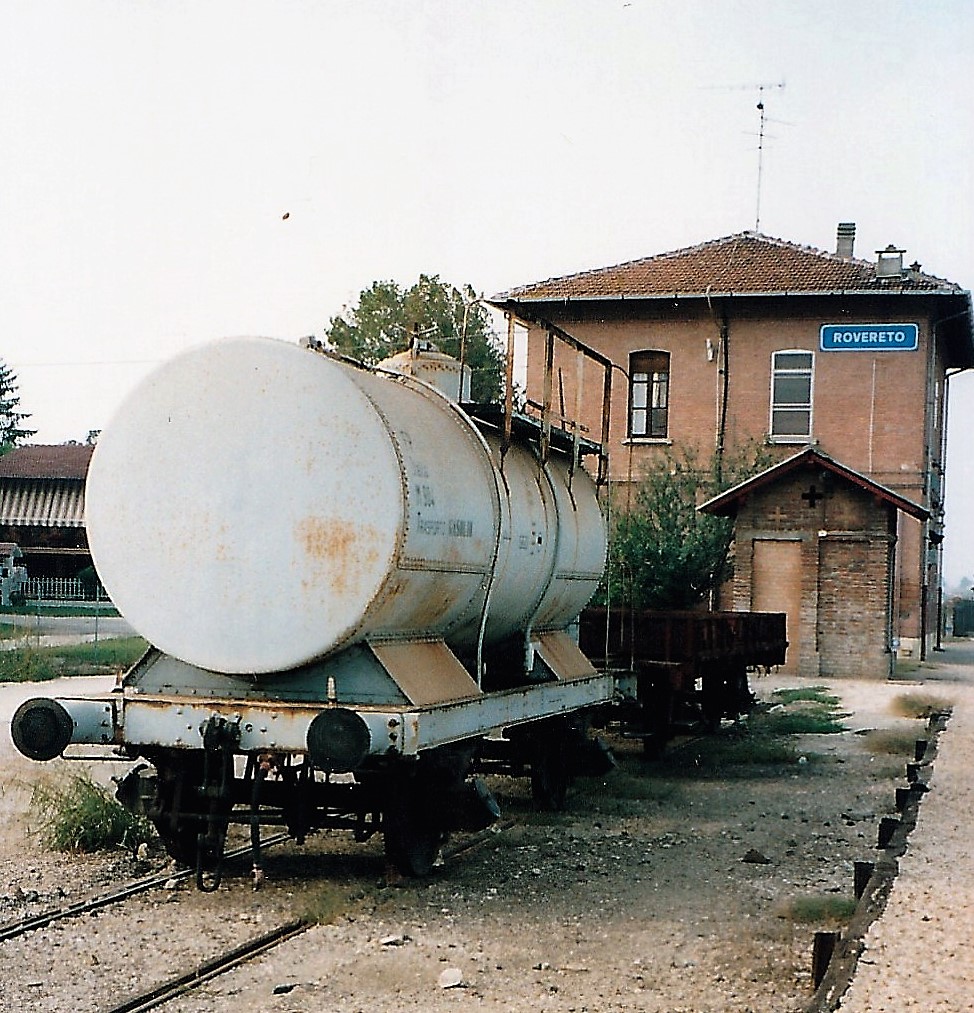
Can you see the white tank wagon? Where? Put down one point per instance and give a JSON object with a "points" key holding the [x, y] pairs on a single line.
{"points": [[340, 571]]}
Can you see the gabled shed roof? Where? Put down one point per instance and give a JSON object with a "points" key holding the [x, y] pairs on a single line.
{"points": [[728, 503]]}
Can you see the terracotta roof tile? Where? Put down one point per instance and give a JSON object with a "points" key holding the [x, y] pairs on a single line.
{"points": [[746, 263], [66, 461]]}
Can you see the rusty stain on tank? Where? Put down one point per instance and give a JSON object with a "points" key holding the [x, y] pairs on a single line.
{"points": [[342, 547]]}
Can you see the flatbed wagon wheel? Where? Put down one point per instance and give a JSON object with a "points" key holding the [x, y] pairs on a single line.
{"points": [[740, 698]]}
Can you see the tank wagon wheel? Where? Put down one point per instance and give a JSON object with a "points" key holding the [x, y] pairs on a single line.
{"points": [[425, 800], [412, 841], [412, 826], [552, 763], [177, 813]]}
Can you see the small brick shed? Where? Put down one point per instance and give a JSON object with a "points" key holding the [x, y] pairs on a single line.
{"points": [[817, 540]]}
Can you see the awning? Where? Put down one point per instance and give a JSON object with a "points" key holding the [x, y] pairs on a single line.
{"points": [[42, 503]]}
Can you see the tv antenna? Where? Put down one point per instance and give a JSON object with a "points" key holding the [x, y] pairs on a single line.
{"points": [[762, 121], [760, 87]]}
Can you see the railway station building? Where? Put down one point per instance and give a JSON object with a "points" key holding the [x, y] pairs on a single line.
{"points": [[749, 337]]}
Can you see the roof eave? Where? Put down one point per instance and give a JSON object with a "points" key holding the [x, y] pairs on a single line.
{"points": [[504, 299]]}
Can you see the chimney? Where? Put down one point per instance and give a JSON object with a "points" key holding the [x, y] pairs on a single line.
{"points": [[889, 263], [845, 239]]}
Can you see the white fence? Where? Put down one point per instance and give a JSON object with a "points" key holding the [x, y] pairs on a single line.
{"points": [[63, 589]]}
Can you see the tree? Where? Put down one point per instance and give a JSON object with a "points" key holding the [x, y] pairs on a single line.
{"points": [[664, 553], [11, 430], [385, 316]]}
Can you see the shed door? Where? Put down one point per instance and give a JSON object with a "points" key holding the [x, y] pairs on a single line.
{"points": [[776, 586]]}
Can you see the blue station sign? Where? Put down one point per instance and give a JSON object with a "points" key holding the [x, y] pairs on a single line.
{"points": [[869, 338]]}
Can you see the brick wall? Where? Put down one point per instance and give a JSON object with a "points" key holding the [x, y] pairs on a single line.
{"points": [[878, 413], [843, 623]]}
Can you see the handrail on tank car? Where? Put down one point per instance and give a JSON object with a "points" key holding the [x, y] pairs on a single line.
{"points": [[514, 313]]}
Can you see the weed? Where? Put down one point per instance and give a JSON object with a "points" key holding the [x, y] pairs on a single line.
{"points": [[829, 909], [324, 903], [623, 787], [81, 815], [714, 755], [890, 741], [35, 609], [905, 668], [119, 652], [639, 787], [766, 738], [921, 705], [27, 664], [812, 719], [807, 694]]}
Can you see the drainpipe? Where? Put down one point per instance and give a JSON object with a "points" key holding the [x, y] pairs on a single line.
{"points": [[943, 494], [723, 372]]}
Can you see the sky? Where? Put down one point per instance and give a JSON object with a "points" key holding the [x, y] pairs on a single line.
{"points": [[173, 172]]}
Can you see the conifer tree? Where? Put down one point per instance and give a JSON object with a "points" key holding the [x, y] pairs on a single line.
{"points": [[12, 418]]}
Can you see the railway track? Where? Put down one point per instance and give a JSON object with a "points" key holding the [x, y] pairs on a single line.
{"points": [[13, 929], [198, 974], [160, 994]]}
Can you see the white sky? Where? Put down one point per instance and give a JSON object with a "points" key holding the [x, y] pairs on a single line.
{"points": [[148, 151]]}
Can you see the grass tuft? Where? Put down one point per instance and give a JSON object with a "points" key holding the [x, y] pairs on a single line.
{"points": [[754, 748], [80, 815], [624, 785], [27, 664], [825, 910], [809, 719], [921, 705], [890, 741], [806, 694], [324, 903]]}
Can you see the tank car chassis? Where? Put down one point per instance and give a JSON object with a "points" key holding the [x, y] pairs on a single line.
{"points": [[222, 754]]}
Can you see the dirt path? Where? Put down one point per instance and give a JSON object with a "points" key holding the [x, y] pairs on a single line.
{"points": [[668, 886]]}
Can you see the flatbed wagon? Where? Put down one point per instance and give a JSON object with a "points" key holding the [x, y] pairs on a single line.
{"points": [[681, 668]]}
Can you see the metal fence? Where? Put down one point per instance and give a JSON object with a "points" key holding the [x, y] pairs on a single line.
{"points": [[63, 589]]}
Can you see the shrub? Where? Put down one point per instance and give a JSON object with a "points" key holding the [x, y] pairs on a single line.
{"points": [[83, 816]]}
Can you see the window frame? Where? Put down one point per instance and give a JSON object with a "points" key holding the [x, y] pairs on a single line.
{"points": [[792, 407], [656, 385]]}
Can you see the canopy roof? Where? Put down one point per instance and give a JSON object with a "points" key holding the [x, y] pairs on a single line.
{"points": [[728, 503]]}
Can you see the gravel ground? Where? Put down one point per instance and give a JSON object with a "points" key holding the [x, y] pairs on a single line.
{"points": [[665, 887]]}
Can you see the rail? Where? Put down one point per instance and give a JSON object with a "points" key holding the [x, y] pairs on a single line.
{"points": [[18, 928]]}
